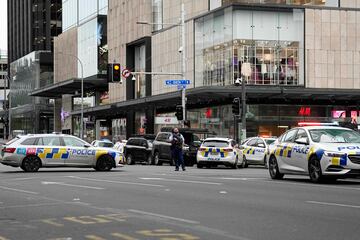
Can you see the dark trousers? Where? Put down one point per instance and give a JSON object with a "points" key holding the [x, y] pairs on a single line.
{"points": [[178, 157]]}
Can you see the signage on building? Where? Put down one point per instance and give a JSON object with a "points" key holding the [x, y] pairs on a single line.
{"points": [[304, 111], [177, 82], [166, 120], [126, 73]]}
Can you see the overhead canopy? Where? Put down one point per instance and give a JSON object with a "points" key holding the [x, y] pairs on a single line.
{"points": [[71, 86], [207, 96]]}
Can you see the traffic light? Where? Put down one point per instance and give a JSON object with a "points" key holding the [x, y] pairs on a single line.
{"points": [[236, 106], [179, 112], [116, 72]]}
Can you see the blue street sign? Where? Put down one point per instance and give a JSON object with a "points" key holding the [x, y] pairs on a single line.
{"points": [[177, 82]]}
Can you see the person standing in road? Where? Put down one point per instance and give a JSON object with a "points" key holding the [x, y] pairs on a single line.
{"points": [[177, 142]]}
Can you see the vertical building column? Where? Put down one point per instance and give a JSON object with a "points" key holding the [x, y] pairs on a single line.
{"points": [[150, 119], [130, 123], [57, 114]]}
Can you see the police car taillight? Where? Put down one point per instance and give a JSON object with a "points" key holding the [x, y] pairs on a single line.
{"points": [[9, 150], [202, 149]]}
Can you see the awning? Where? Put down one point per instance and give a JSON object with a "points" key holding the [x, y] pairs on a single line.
{"points": [[71, 86], [205, 96]]}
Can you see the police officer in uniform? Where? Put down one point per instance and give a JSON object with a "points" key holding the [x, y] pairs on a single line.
{"points": [[177, 142]]}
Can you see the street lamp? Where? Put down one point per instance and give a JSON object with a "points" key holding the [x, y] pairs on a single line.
{"points": [[82, 93], [181, 50]]}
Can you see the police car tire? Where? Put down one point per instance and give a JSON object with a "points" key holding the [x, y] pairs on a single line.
{"points": [[129, 159], [31, 164], [315, 172], [276, 174], [104, 163]]}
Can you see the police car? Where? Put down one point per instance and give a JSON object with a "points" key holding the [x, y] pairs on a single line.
{"points": [[32, 152], [322, 152], [219, 151], [255, 149]]}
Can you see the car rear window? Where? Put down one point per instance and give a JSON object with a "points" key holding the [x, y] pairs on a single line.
{"points": [[269, 141], [12, 140], [213, 143]]}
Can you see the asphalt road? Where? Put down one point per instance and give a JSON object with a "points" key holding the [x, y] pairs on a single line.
{"points": [[154, 202]]}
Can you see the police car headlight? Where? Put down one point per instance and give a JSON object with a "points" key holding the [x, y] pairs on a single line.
{"points": [[333, 154]]}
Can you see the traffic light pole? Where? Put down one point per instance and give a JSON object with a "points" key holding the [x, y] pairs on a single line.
{"points": [[244, 110]]}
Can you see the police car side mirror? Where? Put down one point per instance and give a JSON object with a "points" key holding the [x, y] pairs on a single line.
{"points": [[87, 145], [303, 141]]}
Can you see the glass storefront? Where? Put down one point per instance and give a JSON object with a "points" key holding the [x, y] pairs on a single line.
{"points": [[119, 129], [328, 3], [264, 47], [31, 114], [140, 61]]}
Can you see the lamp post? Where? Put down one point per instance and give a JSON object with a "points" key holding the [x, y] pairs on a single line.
{"points": [[82, 93], [183, 56]]}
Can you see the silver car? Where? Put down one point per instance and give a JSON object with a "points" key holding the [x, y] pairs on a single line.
{"points": [[34, 151]]}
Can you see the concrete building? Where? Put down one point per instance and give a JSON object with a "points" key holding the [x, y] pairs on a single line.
{"points": [[300, 60], [3, 92]]}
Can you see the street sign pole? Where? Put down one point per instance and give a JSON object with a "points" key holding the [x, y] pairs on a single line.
{"points": [[183, 65]]}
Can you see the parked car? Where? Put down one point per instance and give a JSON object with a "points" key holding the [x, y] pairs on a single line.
{"points": [[102, 143], [162, 146], [254, 150], [139, 149], [219, 151]]}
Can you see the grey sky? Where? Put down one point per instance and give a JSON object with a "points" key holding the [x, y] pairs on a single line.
{"points": [[3, 25]]}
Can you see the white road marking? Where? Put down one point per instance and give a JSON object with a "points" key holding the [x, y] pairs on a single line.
{"points": [[163, 216], [223, 192], [71, 185], [119, 182], [334, 204], [22, 179], [178, 180], [34, 205], [17, 190]]}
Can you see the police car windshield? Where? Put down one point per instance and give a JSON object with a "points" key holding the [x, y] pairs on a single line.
{"points": [[334, 136], [214, 143], [106, 144], [269, 141]]}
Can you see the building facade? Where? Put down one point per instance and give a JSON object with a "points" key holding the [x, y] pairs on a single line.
{"points": [[3, 93], [32, 25], [300, 60]]}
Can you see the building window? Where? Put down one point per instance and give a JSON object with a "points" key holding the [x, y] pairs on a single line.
{"points": [[262, 47], [329, 3], [157, 14], [140, 83]]}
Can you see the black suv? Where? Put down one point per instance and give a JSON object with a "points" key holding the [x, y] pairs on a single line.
{"points": [[162, 145], [139, 149]]}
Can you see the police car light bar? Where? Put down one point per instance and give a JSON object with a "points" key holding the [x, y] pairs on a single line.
{"points": [[304, 124]]}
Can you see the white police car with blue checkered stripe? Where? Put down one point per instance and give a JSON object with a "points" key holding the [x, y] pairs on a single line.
{"points": [[30, 152], [322, 152]]}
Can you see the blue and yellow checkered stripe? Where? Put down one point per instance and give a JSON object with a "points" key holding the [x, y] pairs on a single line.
{"points": [[52, 153], [284, 151], [214, 150], [249, 150]]}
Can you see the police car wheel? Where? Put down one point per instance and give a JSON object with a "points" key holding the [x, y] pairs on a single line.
{"points": [[129, 159], [31, 164], [104, 163], [274, 169], [315, 172]]}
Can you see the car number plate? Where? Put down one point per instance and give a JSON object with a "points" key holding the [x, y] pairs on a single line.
{"points": [[214, 153], [213, 159]]}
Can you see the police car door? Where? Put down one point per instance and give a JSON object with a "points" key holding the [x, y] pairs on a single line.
{"points": [[79, 154], [260, 150], [300, 151], [285, 151], [50, 151], [249, 151]]}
